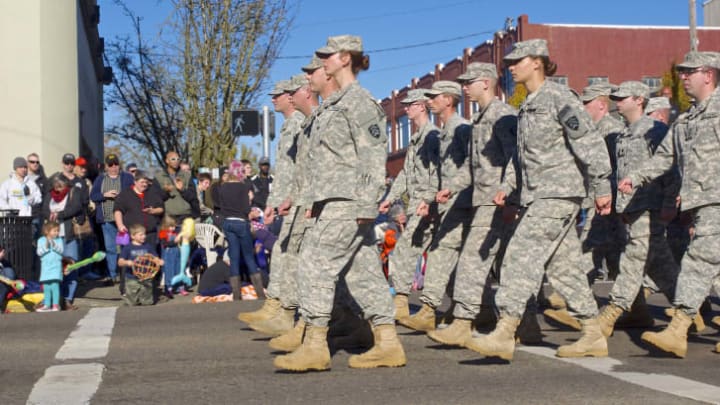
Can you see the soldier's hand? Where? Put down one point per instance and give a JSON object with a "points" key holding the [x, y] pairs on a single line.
{"points": [[625, 186], [269, 216], [308, 214], [499, 199], [603, 204], [384, 207], [284, 208], [423, 209], [510, 213], [442, 196]]}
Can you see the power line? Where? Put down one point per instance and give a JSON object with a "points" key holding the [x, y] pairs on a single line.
{"points": [[403, 47]]}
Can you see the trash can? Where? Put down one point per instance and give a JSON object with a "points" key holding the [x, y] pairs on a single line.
{"points": [[17, 239]]}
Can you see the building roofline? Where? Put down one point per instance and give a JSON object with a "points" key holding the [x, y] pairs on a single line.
{"points": [[625, 27]]}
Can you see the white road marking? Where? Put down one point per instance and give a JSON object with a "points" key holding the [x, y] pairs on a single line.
{"points": [[91, 339], [67, 384], [668, 383], [71, 384]]}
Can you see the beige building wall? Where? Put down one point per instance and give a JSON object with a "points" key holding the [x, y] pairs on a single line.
{"points": [[46, 83]]}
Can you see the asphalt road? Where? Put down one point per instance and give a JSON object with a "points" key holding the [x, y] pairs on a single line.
{"points": [[181, 353]]}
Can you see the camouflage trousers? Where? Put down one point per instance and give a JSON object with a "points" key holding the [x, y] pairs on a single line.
{"points": [[646, 252], [603, 239], [444, 253], [545, 242], [285, 253], [334, 248], [410, 246], [480, 252], [700, 266]]}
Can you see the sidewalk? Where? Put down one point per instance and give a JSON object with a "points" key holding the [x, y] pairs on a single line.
{"points": [[91, 294]]}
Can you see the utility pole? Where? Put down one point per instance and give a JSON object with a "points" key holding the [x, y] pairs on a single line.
{"points": [[693, 26]]}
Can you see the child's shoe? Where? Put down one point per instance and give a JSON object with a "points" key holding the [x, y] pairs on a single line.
{"points": [[183, 292], [55, 308], [43, 309], [168, 292]]}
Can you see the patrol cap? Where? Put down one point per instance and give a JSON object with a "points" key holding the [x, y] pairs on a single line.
{"points": [[315, 64], [280, 88], [341, 43], [657, 103], [444, 87], [631, 89], [694, 60], [415, 95], [478, 70], [596, 90], [531, 47], [298, 81]]}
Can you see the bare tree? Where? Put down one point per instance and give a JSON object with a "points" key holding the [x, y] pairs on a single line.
{"points": [[181, 99], [147, 96], [229, 47]]}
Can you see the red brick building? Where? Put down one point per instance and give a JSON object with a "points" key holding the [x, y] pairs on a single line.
{"points": [[583, 53]]}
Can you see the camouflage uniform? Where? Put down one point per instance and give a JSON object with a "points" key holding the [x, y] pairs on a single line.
{"points": [[604, 236], [444, 250], [558, 147], [694, 145], [284, 260], [419, 180], [346, 159], [647, 248], [492, 147]]}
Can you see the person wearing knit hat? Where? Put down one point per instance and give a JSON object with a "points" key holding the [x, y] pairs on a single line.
{"points": [[19, 192]]}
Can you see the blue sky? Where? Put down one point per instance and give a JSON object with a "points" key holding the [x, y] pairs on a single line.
{"points": [[407, 23]]}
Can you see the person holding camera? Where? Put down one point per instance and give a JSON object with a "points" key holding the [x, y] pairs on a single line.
{"points": [[19, 192]]}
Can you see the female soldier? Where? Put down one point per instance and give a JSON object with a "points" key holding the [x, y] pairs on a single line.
{"points": [[558, 153], [348, 159]]}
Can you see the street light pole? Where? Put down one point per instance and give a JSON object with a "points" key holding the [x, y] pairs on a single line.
{"points": [[693, 26]]}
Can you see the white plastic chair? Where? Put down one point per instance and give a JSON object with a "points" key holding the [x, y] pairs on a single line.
{"points": [[208, 237]]}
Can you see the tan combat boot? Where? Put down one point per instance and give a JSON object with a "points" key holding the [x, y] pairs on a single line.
{"points": [[423, 320], [698, 324], [716, 320], [500, 342], [591, 343], [402, 309], [556, 301], [608, 317], [447, 317], [386, 352], [672, 339], [455, 334], [313, 354], [529, 332], [282, 322], [638, 317], [290, 340], [486, 318], [717, 347], [270, 308], [563, 317], [360, 337]]}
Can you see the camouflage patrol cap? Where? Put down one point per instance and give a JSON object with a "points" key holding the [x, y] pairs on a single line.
{"points": [[341, 43], [596, 90], [415, 95], [478, 70], [695, 60], [657, 103], [315, 64], [531, 47], [280, 87], [443, 87], [297, 81], [631, 89]]}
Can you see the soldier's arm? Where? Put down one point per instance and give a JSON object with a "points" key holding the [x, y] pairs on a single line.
{"points": [[587, 146], [661, 162]]}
